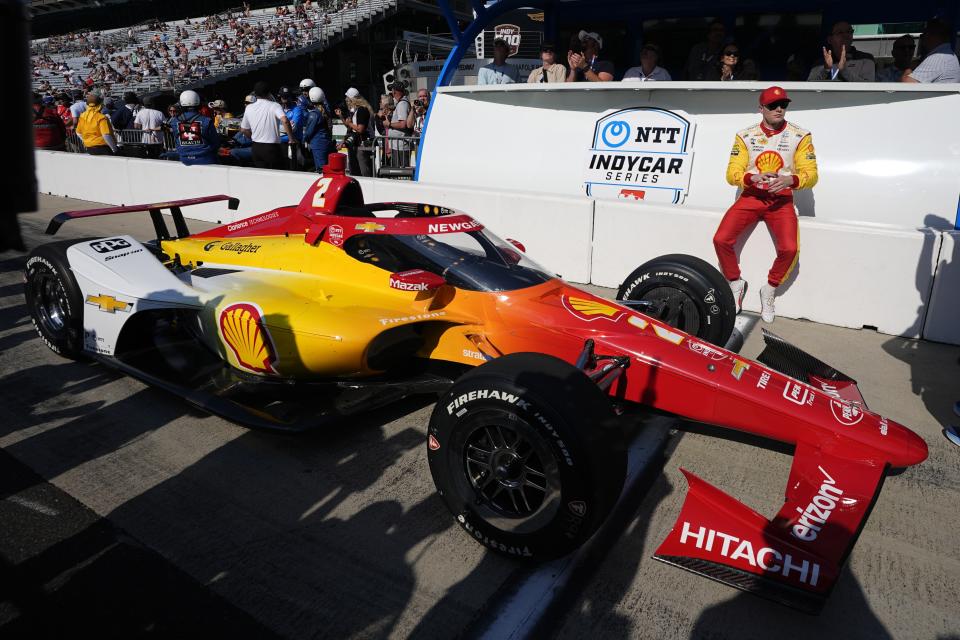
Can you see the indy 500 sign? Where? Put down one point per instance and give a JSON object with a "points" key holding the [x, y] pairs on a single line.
{"points": [[640, 154]]}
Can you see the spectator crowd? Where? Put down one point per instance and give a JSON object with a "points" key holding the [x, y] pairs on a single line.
{"points": [[719, 58]]}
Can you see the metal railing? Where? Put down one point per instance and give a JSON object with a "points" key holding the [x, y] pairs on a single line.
{"points": [[395, 157], [392, 157]]}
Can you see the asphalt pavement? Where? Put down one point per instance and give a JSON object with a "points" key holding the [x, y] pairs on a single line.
{"points": [[127, 512]]}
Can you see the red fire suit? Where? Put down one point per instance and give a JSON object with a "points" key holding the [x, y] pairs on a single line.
{"points": [[757, 149]]}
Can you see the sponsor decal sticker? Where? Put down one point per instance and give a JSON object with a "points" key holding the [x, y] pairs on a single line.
{"points": [[798, 393], [335, 235], [243, 330], [815, 515], [706, 350], [109, 303], [369, 227], [739, 366], [235, 247], [640, 153], [884, 426], [249, 222], [590, 310], [846, 413], [453, 227], [111, 244], [764, 379], [419, 316], [432, 443], [768, 559]]}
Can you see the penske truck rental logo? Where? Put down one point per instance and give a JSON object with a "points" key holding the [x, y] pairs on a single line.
{"points": [[642, 153]]}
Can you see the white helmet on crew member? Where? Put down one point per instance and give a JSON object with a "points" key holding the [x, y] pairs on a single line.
{"points": [[316, 95], [189, 98], [307, 83], [250, 99]]}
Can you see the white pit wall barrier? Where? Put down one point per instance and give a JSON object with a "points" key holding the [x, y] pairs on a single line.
{"points": [[943, 314], [157, 181], [82, 176], [847, 275], [261, 190], [554, 230]]}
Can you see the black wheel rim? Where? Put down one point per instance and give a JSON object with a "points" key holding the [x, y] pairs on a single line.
{"points": [[52, 308], [675, 307], [510, 472], [505, 470]]}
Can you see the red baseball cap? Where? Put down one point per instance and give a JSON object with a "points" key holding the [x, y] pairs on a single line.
{"points": [[773, 94]]}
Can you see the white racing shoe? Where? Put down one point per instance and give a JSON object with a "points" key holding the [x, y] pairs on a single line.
{"points": [[767, 311], [739, 288]]}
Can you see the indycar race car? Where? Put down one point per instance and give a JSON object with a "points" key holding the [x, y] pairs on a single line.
{"points": [[305, 314]]}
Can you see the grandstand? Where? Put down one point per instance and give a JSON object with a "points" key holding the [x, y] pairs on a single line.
{"points": [[193, 53]]}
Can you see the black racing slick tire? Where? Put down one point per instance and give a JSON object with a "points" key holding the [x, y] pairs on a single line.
{"points": [[526, 454], [685, 292], [54, 299]]}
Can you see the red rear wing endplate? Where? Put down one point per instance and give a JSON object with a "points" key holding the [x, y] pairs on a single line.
{"points": [[155, 208]]}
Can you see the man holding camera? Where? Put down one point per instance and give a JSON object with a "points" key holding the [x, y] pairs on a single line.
{"points": [[419, 112], [395, 124], [768, 162]]}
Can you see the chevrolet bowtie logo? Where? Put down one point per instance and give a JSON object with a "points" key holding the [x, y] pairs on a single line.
{"points": [[109, 303], [369, 227]]}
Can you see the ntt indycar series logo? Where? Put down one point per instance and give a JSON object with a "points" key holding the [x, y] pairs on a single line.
{"points": [[640, 154]]}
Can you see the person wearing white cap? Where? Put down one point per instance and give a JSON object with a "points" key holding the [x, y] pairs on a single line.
{"points": [[584, 59], [317, 134], [357, 121]]}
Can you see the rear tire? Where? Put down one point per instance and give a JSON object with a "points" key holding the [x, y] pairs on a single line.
{"points": [[526, 454], [687, 293], [54, 299]]}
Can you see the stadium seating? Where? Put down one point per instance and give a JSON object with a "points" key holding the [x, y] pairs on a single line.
{"points": [[342, 23]]}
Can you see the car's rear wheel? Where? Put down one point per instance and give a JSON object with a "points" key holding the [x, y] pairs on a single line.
{"points": [[54, 299], [525, 453], [685, 292]]}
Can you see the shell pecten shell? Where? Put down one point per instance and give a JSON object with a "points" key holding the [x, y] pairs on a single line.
{"points": [[243, 330]]}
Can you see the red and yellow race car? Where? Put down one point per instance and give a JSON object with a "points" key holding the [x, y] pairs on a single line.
{"points": [[305, 314]]}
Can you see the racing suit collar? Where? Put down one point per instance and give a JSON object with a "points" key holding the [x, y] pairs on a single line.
{"points": [[772, 132]]}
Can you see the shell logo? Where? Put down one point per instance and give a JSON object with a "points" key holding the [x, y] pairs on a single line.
{"points": [[243, 330], [769, 161], [592, 309]]}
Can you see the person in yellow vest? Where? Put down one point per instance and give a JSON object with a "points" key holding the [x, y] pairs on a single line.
{"points": [[769, 161], [95, 129]]}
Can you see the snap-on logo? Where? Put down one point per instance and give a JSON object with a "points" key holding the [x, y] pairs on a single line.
{"points": [[106, 246]]}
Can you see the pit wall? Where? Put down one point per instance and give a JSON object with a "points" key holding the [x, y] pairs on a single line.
{"points": [[900, 280]]}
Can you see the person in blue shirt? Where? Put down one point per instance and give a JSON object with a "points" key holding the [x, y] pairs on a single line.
{"points": [[197, 139], [296, 114], [317, 133]]}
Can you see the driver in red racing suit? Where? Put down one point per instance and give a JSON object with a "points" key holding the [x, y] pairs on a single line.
{"points": [[769, 161]]}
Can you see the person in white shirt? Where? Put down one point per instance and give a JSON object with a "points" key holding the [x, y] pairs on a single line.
{"points": [[940, 64], [499, 71], [648, 71], [150, 121], [259, 123]]}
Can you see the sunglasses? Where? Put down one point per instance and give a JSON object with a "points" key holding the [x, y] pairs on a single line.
{"points": [[735, 54], [779, 104]]}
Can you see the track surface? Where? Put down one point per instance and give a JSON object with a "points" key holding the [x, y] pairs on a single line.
{"points": [[127, 512]]}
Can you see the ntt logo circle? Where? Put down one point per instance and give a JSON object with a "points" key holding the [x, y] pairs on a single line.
{"points": [[615, 133]]}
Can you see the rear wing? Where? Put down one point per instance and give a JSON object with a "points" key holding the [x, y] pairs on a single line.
{"points": [[159, 225]]}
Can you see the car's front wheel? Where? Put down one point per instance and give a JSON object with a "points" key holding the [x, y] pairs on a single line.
{"points": [[525, 452]]}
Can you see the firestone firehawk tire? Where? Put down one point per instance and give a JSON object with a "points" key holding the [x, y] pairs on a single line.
{"points": [[688, 293], [54, 299], [527, 456]]}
